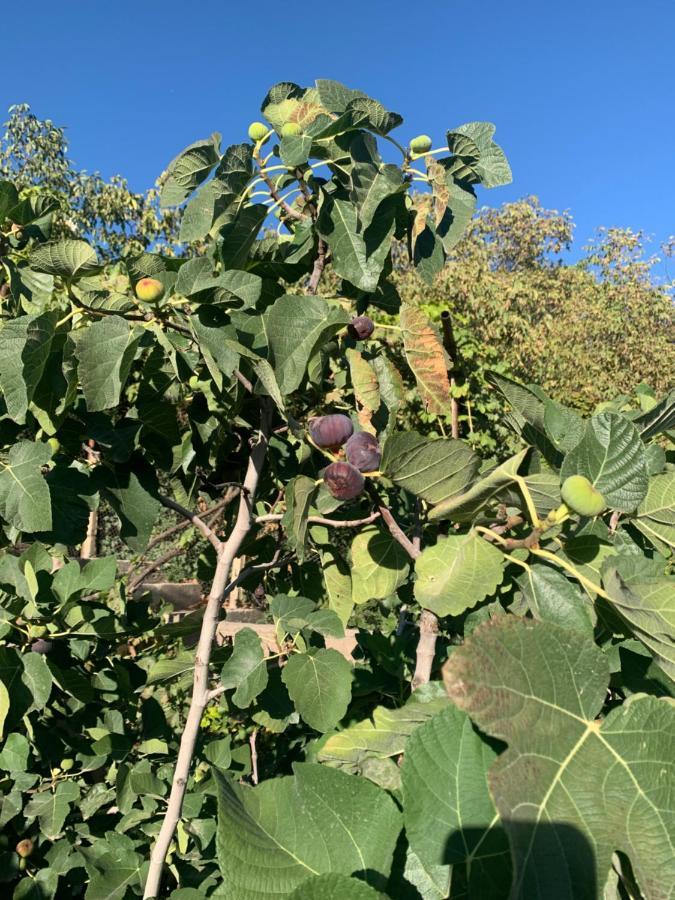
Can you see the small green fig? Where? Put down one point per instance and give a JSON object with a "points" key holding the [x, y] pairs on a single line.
{"points": [[67, 764], [290, 128], [55, 444], [421, 144], [149, 289], [257, 131], [580, 495]]}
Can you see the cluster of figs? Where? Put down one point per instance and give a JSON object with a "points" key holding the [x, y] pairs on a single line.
{"points": [[344, 478]]}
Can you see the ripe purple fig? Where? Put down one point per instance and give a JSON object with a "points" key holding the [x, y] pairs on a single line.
{"points": [[363, 451], [343, 480], [361, 328], [331, 431], [41, 646]]}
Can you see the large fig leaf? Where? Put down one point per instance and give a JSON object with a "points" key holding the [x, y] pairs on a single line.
{"points": [[450, 818], [272, 838], [571, 789], [612, 456]]}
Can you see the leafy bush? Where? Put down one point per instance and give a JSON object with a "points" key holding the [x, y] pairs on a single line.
{"points": [[503, 732]]}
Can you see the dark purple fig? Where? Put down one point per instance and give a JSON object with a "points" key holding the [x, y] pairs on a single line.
{"points": [[361, 328], [331, 431], [343, 480], [41, 646], [363, 451]]}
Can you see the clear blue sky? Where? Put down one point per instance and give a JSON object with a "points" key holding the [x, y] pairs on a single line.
{"points": [[582, 91]]}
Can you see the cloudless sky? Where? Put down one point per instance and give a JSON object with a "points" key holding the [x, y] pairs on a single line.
{"points": [[582, 91]]}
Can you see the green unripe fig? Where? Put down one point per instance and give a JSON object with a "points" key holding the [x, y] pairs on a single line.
{"points": [[23, 864], [67, 764], [290, 128], [149, 289], [55, 444], [193, 382], [421, 144], [257, 131], [24, 848], [580, 495]]}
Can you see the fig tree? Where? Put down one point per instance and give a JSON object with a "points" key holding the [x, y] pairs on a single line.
{"points": [[580, 495], [343, 480], [257, 131], [421, 144], [331, 431], [149, 289], [290, 128], [361, 328], [363, 451]]}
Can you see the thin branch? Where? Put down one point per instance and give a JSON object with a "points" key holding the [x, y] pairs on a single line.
{"points": [[254, 756], [228, 550], [396, 532], [287, 208], [242, 379], [319, 266], [319, 520], [200, 524], [181, 526], [142, 576], [426, 648]]}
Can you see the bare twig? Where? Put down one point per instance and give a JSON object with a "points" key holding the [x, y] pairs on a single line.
{"points": [[426, 648], [181, 526], [254, 756], [287, 208], [142, 576], [199, 523], [319, 520], [242, 379], [88, 548], [396, 532], [227, 551], [319, 266]]}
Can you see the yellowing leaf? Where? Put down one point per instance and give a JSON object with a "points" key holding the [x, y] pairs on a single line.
{"points": [[427, 359]]}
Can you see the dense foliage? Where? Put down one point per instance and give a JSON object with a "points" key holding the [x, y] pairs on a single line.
{"points": [[506, 728]]}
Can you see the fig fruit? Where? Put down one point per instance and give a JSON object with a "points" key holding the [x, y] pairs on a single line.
{"points": [[343, 480], [290, 128], [257, 131], [25, 847], [580, 495], [55, 444], [421, 144], [67, 764], [149, 289], [331, 431], [361, 328], [41, 646], [363, 451]]}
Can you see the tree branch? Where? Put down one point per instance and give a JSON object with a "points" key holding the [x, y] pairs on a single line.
{"points": [[426, 648], [396, 532], [319, 520], [200, 692], [319, 266], [200, 524]]}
